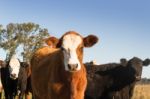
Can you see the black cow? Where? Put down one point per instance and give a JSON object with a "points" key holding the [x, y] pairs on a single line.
{"points": [[14, 83], [9, 84], [115, 80], [24, 80]]}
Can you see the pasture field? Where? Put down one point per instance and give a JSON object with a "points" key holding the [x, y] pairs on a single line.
{"points": [[141, 91]]}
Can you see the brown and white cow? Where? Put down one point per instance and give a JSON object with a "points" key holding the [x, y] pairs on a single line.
{"points": [[58, 73]]}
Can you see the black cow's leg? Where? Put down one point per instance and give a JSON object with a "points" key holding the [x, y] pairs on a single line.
{"points": [[6, 95], [0, 95], [11, 96], [87, 97], [21, 96]]}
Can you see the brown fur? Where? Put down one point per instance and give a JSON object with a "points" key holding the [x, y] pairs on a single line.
{"points": [[49, 78], [90, 40], [2, 64], [53, 85], [51, 41]]}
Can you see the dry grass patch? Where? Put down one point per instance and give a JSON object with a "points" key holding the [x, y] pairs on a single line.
{"points": [[141, 91]]}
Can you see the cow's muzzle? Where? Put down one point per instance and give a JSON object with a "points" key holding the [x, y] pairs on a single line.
{"points": [[13, 76], [72, 67], [138, 78]]}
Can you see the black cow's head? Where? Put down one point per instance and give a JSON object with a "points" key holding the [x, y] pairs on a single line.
{"points": [[137, 64], [123, 61]]}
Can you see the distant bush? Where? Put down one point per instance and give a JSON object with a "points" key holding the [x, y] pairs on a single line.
{"points": [[144, 81]]}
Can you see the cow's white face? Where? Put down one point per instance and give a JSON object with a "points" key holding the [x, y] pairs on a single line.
{"points": [[14, 66], [70, 45]]}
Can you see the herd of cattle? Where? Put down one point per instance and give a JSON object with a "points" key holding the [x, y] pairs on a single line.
{"points": [[57, 71]]}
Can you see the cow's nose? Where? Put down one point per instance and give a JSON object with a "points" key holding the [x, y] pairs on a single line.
{"points": [[13, 75], [72, 67]]}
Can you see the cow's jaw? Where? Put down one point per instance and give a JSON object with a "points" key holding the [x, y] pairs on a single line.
{"points": [[70, 45]]}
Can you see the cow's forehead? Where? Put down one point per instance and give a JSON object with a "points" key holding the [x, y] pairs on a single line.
{"points": [[71, 41], [136, 60]]}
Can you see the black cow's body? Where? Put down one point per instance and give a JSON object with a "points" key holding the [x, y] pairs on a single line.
{"points": [[114, 81], [24, 80]]}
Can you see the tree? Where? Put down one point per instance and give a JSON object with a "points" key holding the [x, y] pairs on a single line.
{"points": [[29, 35], [8, 39]]}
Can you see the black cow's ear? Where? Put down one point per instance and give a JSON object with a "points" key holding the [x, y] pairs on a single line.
{"points": [[25, 64], [146, 62], [90, 40], [123, 61], [52, 41]]}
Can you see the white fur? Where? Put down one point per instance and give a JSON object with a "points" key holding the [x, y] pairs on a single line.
{"points": [[70, 44], [14, 65]]}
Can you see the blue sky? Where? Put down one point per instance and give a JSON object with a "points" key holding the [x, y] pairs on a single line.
{"points": [[123, 26]]}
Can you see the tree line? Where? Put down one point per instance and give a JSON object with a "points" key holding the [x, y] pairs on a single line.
{"points": [[29, 36], [144, 81]]}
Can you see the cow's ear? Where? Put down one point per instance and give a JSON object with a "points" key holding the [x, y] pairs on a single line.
{"points": [[123, 61], [90, 40], [24, 64], [52, 41], [146, 62]]}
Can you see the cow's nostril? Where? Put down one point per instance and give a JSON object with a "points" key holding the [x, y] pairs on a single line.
{"points": [[13, 75], [76, 65], [72, 66]]}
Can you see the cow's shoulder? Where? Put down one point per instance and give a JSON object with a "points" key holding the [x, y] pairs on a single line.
{"points": [[44, 51], [41, 53]]}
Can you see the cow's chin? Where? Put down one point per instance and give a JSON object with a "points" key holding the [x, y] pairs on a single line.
{"points": [[73, 70], [138, 78], [14, 78]]}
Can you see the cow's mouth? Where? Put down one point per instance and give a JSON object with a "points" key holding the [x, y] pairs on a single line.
{"points": [[13, 76], [138, 78]]}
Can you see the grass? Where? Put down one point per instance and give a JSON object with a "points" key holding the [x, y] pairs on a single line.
{"points": [[141, 91], [3, 97]]}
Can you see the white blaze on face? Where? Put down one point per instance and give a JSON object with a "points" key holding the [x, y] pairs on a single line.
{"points": [[14, 66], [70, 44]]}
